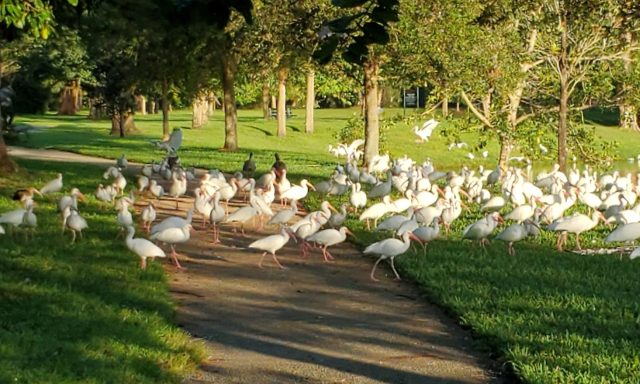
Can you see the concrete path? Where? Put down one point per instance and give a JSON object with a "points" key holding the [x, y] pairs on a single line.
{"points": [[314, 322]]}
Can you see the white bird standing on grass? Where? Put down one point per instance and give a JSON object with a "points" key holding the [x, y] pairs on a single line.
{"points": [[577, 224], [272, 244], [71, 219], [142, 247], [389, 249], [52, 186], [512, 234], [70, 200]]}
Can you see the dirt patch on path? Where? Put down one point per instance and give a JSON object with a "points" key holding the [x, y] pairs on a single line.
{"points": [[314, 322]]}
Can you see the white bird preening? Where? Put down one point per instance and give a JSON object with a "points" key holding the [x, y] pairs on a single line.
{"points": [[272, 244], [142, 247], [389, 249], [329, 237], [52, 186], [173, 236]]}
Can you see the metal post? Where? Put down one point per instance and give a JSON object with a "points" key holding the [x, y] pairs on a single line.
{"points": [[404, 102], [417, 98]]}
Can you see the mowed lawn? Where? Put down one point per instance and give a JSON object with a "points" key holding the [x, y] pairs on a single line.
{"points": [[552, 317], [82, 313]]}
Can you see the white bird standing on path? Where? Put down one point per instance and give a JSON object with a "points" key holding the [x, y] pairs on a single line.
{"points": [[143, 183], [52, 186], [173, 236], [156, 190], [272, 244], [143, 248], [148, 216], [173, 221], [216, 216], [297, 192], [284, 215], [389, 249], [73, 221], [329, 237]]}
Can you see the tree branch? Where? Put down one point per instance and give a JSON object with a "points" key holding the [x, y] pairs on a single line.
{"points": [[475, 111]]}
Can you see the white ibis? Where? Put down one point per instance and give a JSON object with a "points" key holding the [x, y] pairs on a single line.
{"points": [[338, 218], [216, 216], [147, 170], [241, 215], [124, 218], [297, 192], [143, 183], [143, 248], [18, 217], [173, 222], [52, 186], [624, 233], [305, 228], [103, 194], [271, 244], [376, 211], [426, 235], [512, 234], [156, 190], [394, 222], [122, 162], [329, 237], [202, 204], [494, 204], [73, 221], [427, 198], [635, 253], [521, 212], [283, 216], [577, 224], [425, 131], [148, 216], [25, 195], [357, 198], [381, 189], [482, 228], [389, 249], [173, 236], [283, 183], [70, 200], [178, 186], [228, 191]]}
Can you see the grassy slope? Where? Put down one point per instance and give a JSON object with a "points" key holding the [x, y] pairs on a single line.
{"points": [[556, 317], [85, 312]]}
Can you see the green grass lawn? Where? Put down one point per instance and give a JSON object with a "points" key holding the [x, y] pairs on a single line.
{"points": [[84, 312], [552, 317], [306, 154]]}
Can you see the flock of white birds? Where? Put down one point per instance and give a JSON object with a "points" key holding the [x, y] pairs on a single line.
{"points": [[429, 201]]}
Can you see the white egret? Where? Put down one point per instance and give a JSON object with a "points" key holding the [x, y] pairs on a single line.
{"points": [[52, 186], [173, 236], [272, 244], [577, 224], [329, 237], [143, 248], [73, 221], [389, 249]]}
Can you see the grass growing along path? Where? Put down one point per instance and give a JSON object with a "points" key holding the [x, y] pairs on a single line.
{"points": [[84, 312]]}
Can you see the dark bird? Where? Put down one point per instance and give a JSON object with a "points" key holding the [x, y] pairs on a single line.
{"points": [[249, 167], [278, 167], [26, 194]]}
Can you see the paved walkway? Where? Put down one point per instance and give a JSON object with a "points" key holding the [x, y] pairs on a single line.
{"points": [[314, 322]]}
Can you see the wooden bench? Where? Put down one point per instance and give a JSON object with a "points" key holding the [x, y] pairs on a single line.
{"points": [[273, 112]]}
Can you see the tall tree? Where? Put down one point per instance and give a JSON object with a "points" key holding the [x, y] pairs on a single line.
{"points": [[32, 16], [362, 33]]}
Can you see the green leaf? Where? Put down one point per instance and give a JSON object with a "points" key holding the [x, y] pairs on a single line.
{"points": [[348, 3], [73, 2]]}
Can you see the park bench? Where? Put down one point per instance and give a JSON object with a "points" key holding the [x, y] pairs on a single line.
{"points": [[273, 112]]}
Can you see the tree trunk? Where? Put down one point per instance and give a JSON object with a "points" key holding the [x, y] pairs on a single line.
{"points": [[563, 119], [310, 102], [6, 165], [200, 111], [230, 113], [165, 109], [69, 99], [445, 106], [371, 122], [141, 104], [115, 124], [505, 152], [282, 101], [628, 112], [265, 101], [123, 121]]}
